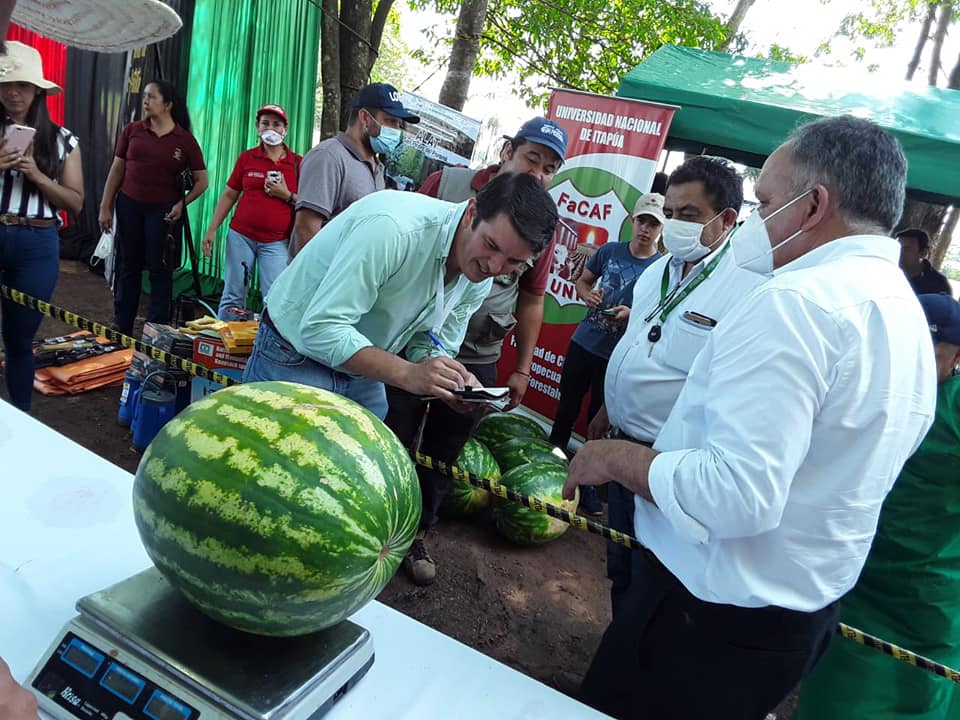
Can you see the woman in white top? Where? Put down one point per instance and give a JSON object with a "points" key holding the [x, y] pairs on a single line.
{"points": [[37, 180]]}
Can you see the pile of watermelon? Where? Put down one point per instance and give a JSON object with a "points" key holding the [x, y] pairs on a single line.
{"points": [[515, 451], [276, 508]]}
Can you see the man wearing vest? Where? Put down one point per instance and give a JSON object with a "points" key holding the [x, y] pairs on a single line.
{"points": [[537, 149]]}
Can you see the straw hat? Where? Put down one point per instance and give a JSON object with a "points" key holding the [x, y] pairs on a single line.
{"points": [[22, 64], [99, 25]]}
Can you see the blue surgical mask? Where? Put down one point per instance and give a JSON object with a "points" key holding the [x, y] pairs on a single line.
{"points": [[388, 142]]}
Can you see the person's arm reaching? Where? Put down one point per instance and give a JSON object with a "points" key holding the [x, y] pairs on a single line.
{"points": [[16, 702], [228, 198], [306, 224], [529, 315], [110, 189]]}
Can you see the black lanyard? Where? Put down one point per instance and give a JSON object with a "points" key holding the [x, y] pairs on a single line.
{"points": [[669, 301]]}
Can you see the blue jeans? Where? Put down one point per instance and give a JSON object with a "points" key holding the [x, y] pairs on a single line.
{"points": [[29, 262], [273, 358], [271, 259], [141, 234]]}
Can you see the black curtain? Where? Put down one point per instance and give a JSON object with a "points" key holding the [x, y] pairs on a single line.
{"points": [[95, 87], [168, 60]]}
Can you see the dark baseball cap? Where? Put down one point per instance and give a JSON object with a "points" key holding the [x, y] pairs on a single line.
{"points": [[943, 316], [544, 132], [381, 96]]}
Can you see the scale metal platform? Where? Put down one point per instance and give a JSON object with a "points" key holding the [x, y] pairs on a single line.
{"points": [[139, 651]]}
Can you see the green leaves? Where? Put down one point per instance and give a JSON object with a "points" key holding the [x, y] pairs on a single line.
{"points": [[582, 44]]}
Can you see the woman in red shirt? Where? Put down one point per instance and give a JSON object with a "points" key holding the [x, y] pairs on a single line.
{"points": [[264, 180], [151, 155]]}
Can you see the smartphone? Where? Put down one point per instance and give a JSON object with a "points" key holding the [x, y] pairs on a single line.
{"points": [[19, 137], [274, 176], [610, 312], [482, 394]]}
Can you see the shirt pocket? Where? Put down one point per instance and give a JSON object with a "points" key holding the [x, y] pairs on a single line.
{"points": [[685, 343]]}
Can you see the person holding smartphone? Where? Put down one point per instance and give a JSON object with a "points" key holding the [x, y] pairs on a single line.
{"points": [[263, 186], [145, 187], [40, 162]]}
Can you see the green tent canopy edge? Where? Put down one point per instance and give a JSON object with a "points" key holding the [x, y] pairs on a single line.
{"points": [[743, 108]]}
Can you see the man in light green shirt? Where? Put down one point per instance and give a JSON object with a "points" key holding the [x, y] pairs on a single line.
{"points": [[393, 271]]}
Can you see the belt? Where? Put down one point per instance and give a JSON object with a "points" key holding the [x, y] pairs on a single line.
{"points": [[618, 434], [9, 219], [265, 319]]}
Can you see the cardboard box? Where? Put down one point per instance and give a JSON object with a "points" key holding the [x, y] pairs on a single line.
{"points": [[212, 354]]}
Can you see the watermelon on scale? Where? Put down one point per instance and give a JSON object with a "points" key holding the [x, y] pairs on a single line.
{"points": [[520, 451], [497, 428], [525, 526], [276, 508], [463, 498]]}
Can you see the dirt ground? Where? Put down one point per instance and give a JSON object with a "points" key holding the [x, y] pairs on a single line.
{"points": [[539, 610]]}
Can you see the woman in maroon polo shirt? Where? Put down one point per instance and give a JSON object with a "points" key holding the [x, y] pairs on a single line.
{"points": [[40, 172], [264, 180], [151, 155]]}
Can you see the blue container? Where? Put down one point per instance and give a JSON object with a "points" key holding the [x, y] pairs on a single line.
{"points": [[129, 397], [156, 407]]}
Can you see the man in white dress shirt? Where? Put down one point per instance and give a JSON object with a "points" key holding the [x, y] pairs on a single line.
{"points": [[760, 497], [677, 301]]}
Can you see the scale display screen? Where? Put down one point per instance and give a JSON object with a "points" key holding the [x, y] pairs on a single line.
{"points": [[122, 683], [82, 657], [163, 707]]}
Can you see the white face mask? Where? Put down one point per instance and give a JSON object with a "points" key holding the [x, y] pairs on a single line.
{"points": [[751, 243], [682, 238], [271, 137]]}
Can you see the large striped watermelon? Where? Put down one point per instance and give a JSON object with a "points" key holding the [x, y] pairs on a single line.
{"points": [[466, 499], [520, 451], [520, 524], [497, 428], [276, 508]]}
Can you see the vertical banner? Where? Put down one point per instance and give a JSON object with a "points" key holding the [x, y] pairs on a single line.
{"points": [[443, 137], [612, 152]]}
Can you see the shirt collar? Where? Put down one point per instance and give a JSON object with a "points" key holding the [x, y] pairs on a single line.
{"points": [[876, 246], [352, 149], [448, 229], [482, 177], [676, 264]]}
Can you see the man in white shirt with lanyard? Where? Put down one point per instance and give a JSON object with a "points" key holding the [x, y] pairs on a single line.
{"points": [[677, 301], [759, 500]]}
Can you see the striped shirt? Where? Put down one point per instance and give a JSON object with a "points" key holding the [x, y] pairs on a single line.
{"points": [[21, 197]]}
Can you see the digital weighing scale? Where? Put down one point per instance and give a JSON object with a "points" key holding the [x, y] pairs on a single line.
{"points": [[139, 651]]}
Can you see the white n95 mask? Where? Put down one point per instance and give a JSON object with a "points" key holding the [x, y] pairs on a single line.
{"points": [[682, 238], [751, 243]]}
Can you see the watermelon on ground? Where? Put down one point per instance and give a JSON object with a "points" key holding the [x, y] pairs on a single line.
{"points": [[518, 523], [497, 428], [466, 499], [276, 508], [520, 451]]}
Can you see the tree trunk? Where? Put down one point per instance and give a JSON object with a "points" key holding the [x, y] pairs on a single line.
{"points": [[946, 8], [940, 244], [732, 26], [356, 21], [330, 69], [463, 56], [954, 82], [922, 40]]}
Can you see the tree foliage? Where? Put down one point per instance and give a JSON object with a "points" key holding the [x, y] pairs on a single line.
{"points": [[582, 44]]}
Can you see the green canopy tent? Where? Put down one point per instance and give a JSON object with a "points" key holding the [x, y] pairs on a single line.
{"points": [[743, 108]]}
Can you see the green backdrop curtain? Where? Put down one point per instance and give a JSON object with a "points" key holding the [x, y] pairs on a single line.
{"points": [[243, 54]]}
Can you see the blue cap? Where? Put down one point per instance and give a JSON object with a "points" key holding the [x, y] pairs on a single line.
{"points": [[943, 316], [381, 96], [544, 132]]}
